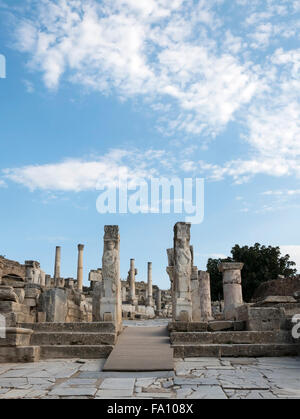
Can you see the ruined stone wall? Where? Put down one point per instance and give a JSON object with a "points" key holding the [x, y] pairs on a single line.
{"points": [[11, 269], [280, 287]]}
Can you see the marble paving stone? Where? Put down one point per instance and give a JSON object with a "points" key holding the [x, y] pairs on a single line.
{"points": [[13, 382], [89, 375], [250, 394], [4, 390], [93, 365], [155, 396], [4, 368], [195, 381], [21, 373], [145, 382], [183, 393], [89, 382], [117, 383], [208, 392], [15, 394], [68, 391], [286, 391], [113, 394], [41, 381], [35, 394]]}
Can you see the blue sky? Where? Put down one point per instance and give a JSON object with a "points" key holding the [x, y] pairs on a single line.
{"points": [[156, 87]]}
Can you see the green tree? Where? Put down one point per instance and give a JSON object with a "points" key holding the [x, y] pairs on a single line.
{"points": [[216, 281], [261, 264]]}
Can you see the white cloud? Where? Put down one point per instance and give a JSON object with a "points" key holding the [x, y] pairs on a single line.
{"points": [[2, 184], [294, 252], [197, 67], [289, 192], [80, 175], [142, 48]]}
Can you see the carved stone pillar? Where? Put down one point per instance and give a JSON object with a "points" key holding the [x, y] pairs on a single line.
{"points": [[205, 296], [182, 272], [170, 272], [110, 292]]}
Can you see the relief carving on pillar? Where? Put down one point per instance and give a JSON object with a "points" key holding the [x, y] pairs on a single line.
{"points": [[182, 250], [111, 260]]}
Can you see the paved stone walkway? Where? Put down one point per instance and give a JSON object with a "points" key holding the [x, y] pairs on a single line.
{"points": [[142, 349], [199, 378]]}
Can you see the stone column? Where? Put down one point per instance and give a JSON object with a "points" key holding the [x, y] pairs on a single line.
{"points": [[57, 262], [124, 294], [132, 272], [170, 272], [195, 291], [182, 272], [158, 302], [110, 306], [205, 296], [80, 267], [232, 287], [149, 286]]}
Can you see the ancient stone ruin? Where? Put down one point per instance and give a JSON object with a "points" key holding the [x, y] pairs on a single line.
{"points": [[53, 317]]}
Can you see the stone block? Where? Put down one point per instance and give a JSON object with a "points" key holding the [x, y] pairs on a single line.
{"points": [[297, 295], [16, 337], [261, 318], [32, 292], [41, 317], [54, 304], [21, 294], [274, 299], [220, 325], [19, 354], [30, 302], [10, 306], [8, 294], [107, 317]]}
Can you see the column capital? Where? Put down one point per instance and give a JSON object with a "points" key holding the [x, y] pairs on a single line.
{"points": [[230, 266], [80, 246]]}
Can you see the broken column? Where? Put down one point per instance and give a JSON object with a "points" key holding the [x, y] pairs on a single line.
{"points": [[95, 276], [149, 286], [80, 267], [232, 287], [182, 272], [205, 296], [110, 290], [132, 273], [57, 262]]}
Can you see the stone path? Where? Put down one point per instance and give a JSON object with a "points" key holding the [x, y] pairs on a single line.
{"points": [[142, 349], [199, 378]]}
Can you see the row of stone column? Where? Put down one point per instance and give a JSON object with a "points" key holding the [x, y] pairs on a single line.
{"points": [[57, 266], [132, 292]]}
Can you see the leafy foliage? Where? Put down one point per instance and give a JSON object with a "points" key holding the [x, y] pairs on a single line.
{"points": [[261, 264]]}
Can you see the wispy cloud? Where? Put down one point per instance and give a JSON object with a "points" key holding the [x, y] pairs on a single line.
{"points": [[195, 64]]}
